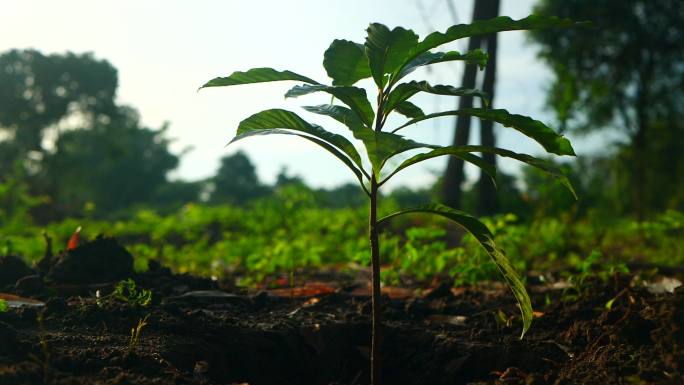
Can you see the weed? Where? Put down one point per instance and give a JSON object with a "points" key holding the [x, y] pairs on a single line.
{"points": [[136, 332], [593, 266]]}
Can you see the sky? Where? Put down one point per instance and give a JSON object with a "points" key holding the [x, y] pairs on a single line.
{"points": [[165, 50]]}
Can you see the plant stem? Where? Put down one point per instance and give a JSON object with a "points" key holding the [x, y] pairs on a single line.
{"points": [[375, 281], [375, 255]]}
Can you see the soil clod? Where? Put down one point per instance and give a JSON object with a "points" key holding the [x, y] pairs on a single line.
{"points": [[99, 261]]}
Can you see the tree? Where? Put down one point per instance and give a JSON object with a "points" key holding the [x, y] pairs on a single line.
{"points": [[488, 203], [102, 157], [454, 175], [626, 73], [172, 195], [343, 196], [112, 166], [283, 178], [15, 200], [37, 91], [236, 181]]}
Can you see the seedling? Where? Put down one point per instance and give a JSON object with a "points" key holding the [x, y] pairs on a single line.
{"points": [[135, 334], [3, 306], [126, 291], [387, 56], [44, 360]]}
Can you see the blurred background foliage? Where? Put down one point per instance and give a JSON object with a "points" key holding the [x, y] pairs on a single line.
{"points": [[70, 155]]}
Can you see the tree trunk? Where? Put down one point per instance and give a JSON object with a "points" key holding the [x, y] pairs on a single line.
{"points": [[488, 203], [454, 175], [640, 141], [640, 153]]}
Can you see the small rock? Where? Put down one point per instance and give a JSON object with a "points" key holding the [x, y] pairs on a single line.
{"points": [[440, 292], [663, 285], [456, 320]]}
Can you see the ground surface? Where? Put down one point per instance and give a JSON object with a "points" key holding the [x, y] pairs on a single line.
{"points": [[201, 332]]}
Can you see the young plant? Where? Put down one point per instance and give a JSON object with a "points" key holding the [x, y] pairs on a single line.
{"points": [[45, 357], [136, 333], [127, 292], [387, 56]]}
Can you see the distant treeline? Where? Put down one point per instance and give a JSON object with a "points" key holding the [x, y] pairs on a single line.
{"points": [[68, 149]]}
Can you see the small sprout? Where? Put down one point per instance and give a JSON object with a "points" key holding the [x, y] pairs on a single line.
{"points": [[44, 361], [127, 292], [135, 334], [3, 306], [609, 304], [502, 319]]}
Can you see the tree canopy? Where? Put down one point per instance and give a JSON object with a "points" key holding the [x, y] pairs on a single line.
{"points": [[236, 181], [97, 152], [39, 90], [112, 166], [625, 73]]}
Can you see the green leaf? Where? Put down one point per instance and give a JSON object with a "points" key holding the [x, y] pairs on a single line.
{"points": [[340, 113], [486, 239], [256, 75], [346, 62], [277, 120], [542, 134], [465, 153], [404, 91], [457, 151], [353, 97], [409, 110], [381, 146], [476, 56], [332, 149], [387, 50], [541, 164], [484, 27]]}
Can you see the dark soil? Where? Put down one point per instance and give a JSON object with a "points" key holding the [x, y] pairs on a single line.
{"points": [[197, 333]]}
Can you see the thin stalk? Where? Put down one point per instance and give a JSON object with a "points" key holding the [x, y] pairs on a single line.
{"points": [[375, 281], [375, 259]]}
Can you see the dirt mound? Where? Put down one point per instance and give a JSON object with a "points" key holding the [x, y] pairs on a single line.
{"points": [[11, 270], [99, 261]]}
